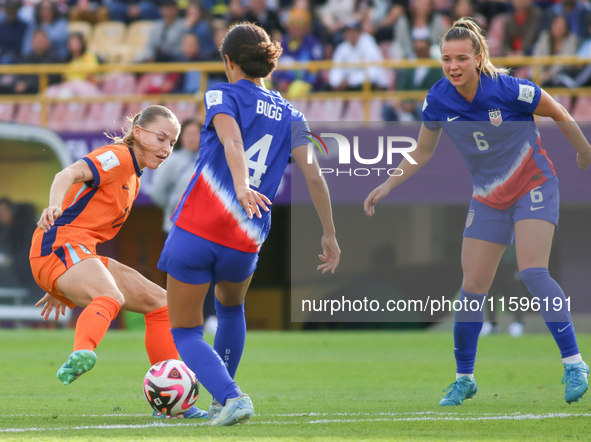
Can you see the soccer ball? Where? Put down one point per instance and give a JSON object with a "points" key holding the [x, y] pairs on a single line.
{"points": [[170, 387]]}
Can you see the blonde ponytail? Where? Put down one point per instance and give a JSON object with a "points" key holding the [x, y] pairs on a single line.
{"points": [[143, 119], [466, 28]]}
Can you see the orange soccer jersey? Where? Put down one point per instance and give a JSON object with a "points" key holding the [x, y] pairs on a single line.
{"points": [[93, 212]]}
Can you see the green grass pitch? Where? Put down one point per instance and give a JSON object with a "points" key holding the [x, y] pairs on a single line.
{"points": [[307, 386]]}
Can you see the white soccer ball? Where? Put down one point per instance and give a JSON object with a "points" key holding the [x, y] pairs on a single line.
{"points": [[170, 387]]}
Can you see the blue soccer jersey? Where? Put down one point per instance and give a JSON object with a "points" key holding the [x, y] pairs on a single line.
{"points": [[495, 133], [209, 208]]}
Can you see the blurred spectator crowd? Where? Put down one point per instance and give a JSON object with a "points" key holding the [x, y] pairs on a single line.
{"points": [[85, 33]]}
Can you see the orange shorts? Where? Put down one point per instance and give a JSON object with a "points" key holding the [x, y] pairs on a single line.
{"points": [[47, 269]]}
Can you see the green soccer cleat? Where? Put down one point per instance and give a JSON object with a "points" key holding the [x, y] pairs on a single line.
{"points": [[237, 410], [576, 380], [462, 388], [77, 364]]}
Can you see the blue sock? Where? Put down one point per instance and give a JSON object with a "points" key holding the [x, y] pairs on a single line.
{"points": [[467, 326], [205, 363], [230, 335], [541, 285]]}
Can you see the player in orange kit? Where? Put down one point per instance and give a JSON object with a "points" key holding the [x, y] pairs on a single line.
{"points": [[88, 203]]}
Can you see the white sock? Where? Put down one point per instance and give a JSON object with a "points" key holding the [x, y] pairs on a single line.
{"points": [[459, 375], [574, 359]]}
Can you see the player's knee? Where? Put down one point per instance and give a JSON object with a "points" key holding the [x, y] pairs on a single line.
{"points": [[120, 299], [117, 296], [155, 298], [534, 276], [475, 286], [229, 301]]}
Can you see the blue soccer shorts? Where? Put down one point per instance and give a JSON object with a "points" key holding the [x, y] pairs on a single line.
{"points": [[498, 226], [194, 260]]}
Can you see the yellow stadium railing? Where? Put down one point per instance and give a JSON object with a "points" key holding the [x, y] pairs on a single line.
{"points": [[206, 68]]}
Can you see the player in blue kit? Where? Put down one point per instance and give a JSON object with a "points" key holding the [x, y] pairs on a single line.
{"points": [[246, 141], [489, 116]]}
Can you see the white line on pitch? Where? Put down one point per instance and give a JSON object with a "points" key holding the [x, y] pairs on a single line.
{"points": [[100, 427], [515, 416], [309, 414]]}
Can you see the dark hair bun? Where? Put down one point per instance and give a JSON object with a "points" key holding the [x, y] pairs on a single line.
{"points": [[249, 46]]}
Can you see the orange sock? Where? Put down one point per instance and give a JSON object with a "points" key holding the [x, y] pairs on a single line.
{"points": [[94, 322], [159, 343]]}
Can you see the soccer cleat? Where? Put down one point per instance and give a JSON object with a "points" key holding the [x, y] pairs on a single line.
{"points": [[214, 408], [576, 380], [462, 388], [77, 364], [237, 410], [191, 413]]}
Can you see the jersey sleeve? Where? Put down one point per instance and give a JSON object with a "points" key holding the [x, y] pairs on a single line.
{"points": [[430, 118], [522, 95], [107, 164], [299, 129], [219, 100]]}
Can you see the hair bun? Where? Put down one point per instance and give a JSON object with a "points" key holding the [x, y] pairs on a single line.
{"points": [[252, 49]]}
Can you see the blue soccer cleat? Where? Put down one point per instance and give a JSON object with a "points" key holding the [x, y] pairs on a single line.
{"points": [[191, 413], [463, 388], [237, 410], [576, 380], [77, 364]]}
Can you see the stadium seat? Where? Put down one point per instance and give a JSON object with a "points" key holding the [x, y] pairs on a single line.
{"points": [[582, 109], [565, 100], [29, 113], [301, 105], [184, 109], [134, 108], [6, 111], [314, 112], [333, 110], [327, 110], [522, 72], [105, 116], [82, 27], [119, 84], [106, 38], [68, 117], [354, 111], [136, 39], [375, 110]]}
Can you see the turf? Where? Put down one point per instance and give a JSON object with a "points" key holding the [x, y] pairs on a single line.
{"points": [[309, 386]]}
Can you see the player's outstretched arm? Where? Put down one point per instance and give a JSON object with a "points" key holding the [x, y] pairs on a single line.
{"points": [[331, 253], [76, 173], [426, 145], [548, 107], [229, 134]]}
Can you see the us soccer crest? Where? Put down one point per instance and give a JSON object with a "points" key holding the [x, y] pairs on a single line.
{"points": [[495, 117], [469, 219]]}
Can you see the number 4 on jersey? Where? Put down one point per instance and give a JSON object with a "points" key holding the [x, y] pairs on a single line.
{"points": [[258, 166]]}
